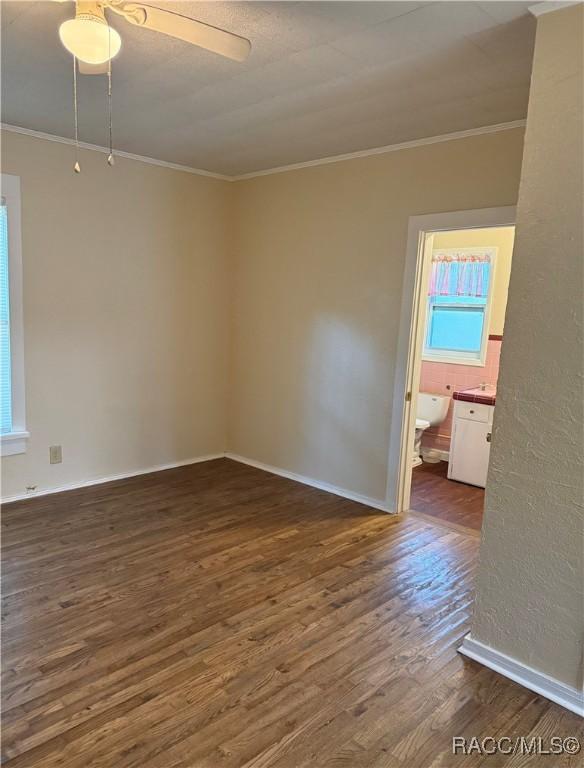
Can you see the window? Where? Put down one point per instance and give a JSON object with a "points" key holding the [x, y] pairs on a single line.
{"points": [[12, 416], [459, 300]]}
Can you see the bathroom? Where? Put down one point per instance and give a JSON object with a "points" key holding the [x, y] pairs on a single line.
{"points": [[463, 315]]}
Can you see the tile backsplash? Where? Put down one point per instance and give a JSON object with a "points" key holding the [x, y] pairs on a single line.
{"points": [[447, 378]]}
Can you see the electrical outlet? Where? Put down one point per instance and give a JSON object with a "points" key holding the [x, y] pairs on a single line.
{"points": [[55, 454]]}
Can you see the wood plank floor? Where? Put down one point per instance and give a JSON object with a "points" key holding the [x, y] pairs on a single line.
{"points": [[219, 616], [435, 495]]}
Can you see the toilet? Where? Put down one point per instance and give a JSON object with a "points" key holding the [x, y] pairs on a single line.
{"points": [[431, 410]]}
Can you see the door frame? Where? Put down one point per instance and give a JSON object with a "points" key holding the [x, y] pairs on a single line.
{"points": [[421, 230]]}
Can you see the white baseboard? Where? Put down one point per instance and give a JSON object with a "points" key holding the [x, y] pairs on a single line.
{"points": [[367, 500], [375, 503], [560, 693], [109, 478]]}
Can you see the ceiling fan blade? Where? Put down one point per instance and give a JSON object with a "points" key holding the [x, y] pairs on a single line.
{"points": [[192, 31], [91, 69]]}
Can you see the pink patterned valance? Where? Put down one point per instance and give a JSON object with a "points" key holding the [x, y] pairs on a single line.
{"points": [[459, 274]]}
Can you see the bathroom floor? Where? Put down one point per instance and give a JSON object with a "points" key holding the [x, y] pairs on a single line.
{"points": [[433, 494]]}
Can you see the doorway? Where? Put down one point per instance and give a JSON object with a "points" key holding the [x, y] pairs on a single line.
{"points": [[454, 299]]}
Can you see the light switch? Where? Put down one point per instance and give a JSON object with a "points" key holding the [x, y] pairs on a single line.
{"points": [[55, 454]]}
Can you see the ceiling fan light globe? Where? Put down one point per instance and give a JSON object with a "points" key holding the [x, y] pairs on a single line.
{"points": [[90, 39]]}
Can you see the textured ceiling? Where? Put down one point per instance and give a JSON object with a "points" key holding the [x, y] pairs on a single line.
{"points": [[323, 78]]}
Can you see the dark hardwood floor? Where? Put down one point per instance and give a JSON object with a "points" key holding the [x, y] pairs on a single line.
{"points": [[433, 494], [219, 616]]}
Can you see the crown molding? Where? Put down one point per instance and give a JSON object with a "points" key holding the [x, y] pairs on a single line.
{"points": [[283, 168], [117, 153], [539, 9], [388, 148]]}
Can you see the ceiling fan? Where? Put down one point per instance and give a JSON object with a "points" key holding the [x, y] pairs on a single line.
{"points": [[94, 42]]}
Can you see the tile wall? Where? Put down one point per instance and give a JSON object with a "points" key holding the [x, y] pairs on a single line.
{"points": [[446, 378]]}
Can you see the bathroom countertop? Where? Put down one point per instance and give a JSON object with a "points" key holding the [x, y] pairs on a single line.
{"points": [[485, 396]]}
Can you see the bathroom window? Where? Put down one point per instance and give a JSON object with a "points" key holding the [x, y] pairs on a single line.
{"points": [[458, 310]]}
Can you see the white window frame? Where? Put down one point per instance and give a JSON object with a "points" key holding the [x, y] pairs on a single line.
{"points": [[465, 358], [15, 441]]}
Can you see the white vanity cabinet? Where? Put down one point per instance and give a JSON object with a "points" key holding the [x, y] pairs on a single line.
{"points": [[470, 443]]}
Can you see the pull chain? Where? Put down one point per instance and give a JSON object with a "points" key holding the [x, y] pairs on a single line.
{"points": [[76, 167], [110, 158]]}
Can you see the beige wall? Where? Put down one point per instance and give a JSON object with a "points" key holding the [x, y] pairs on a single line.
{"points": [[317, 293], [124, 313], [129, 295], [498, 237], [529, 588]]}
